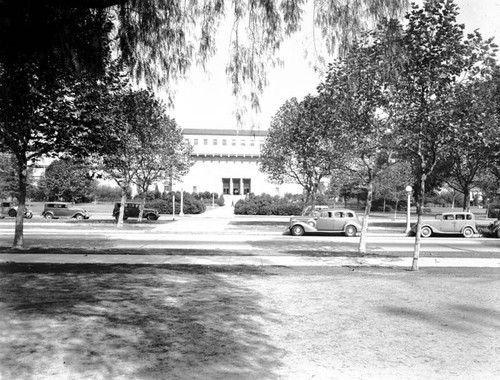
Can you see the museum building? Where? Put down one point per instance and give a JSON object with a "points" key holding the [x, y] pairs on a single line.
{"points": [[226, 161]]}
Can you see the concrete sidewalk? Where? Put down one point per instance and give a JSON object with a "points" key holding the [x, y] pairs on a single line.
{"points": [[247, 260]]}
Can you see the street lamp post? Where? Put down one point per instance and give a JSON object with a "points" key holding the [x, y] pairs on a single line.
{"points": [[409, 190]]}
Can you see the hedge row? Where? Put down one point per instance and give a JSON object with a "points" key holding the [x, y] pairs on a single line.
{"points": [[266, 205]]}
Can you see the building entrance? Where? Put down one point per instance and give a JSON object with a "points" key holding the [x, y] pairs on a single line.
{"points": [[236, 186]]}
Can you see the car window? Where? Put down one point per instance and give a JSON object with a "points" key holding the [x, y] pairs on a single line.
{"points": [[448, 217], [350, 215], [339, 214], [469, 217], [460, 217]]}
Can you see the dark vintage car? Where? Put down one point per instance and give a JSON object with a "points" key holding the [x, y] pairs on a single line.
{"points": [[326, 221], [457, 223], [56, 210], [132, 211], [9, 208], [493, 230]]}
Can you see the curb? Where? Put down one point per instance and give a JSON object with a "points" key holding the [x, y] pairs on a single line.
{"points": [[284, 261]]}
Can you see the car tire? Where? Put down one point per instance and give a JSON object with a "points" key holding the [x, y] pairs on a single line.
{"points": [[28, 215], [12, 212], [151, 217], [48, 216], [350, 231], [468, 232], [78, 216], [297, 230], [426, 232]]}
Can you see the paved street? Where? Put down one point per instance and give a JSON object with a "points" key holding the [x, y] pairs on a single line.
{"points": [[220, 238]]}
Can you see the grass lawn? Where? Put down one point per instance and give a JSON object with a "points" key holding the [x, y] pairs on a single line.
{"points": [[161, 322]]}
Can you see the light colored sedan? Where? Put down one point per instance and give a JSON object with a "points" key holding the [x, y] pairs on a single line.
{"points": [[458, 223], [327, 221]]}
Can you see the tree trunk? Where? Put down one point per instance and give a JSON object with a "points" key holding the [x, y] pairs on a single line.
{"points": [[119, 223], [466, 205], [141, 209], [364, 226], [21, 200], [420, 204]]}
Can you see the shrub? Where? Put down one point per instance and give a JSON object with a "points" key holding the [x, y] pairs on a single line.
{"points": [[267, 205], [164, 205]]}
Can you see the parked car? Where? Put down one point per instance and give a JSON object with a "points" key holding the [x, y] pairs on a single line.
{"points": [[55, 210], [463, 223], [9, 208], [328, 221], [493, 230], [132, 210]]}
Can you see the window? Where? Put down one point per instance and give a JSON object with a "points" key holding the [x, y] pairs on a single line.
{"points": [[224, 142], [205, 141], [215, 141], [195, 142], [242, 142], [460, 217], [252, 142], [469, 217], [339, 215], [448, 217], [233, 142]]}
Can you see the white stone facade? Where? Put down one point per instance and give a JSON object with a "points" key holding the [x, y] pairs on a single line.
{"points": [[226, 162]]}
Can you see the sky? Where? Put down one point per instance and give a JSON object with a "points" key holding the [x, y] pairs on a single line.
{"points": [[204, 99]]}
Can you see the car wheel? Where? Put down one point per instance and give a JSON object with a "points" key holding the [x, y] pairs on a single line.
{"points": [[350, 231], [468, 232], [28, 215], [425, 232], [12, 212], [78, 216], [297, 230], [151, 217], [48, 216]]}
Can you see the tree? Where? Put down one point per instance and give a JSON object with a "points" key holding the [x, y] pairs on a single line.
{"points": [[391, 183], [354, 95], [298, 148], [43, 115], [151, 146], [158, 41], [66, 180], [434, 57], [162, 153], [474, 121]]}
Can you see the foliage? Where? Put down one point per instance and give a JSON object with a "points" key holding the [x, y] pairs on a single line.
{"points": [[298, 148], [267, 205], [474, 121], [433, 57], [164, 205], [353, 94], [151, 146], [66, 180], [185, 33]]}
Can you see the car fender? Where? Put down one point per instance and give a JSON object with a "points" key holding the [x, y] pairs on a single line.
{"points": [[355, 225], [307, 227]]}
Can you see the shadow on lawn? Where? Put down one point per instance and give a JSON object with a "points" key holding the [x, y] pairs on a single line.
{"points": [[137, 322]]}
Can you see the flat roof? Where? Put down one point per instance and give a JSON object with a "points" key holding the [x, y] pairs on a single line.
{"points": [[224, 132]]}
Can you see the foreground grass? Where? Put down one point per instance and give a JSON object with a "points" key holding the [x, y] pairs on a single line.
{"points": [[188, 322]]}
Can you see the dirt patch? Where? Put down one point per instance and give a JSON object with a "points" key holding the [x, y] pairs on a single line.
{"points": [[152, 322]]}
